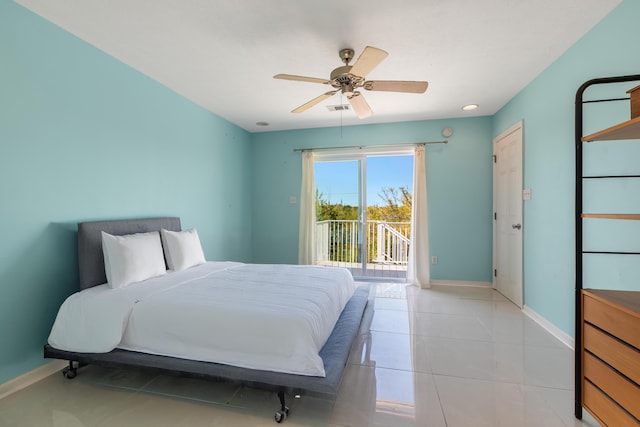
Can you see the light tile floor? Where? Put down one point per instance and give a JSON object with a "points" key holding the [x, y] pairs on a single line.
{"points": [[448, 356]]}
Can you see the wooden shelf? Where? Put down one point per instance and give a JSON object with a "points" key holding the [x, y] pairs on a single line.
{"points": [[626, 130], [613, 216], [630, 300]]}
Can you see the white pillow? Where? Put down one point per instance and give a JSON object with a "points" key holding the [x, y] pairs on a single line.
{"points": [[132, 258], [182, 248]]}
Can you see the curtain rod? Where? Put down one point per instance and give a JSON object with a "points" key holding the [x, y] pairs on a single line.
{"points": [[360, 147]]}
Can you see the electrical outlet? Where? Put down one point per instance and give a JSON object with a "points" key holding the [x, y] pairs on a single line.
{"points": [[434, 260]]}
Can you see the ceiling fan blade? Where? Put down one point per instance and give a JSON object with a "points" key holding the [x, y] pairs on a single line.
{"points": [[360, 106], [314, 101], [368, 60], [300, 78], [396, 86]]}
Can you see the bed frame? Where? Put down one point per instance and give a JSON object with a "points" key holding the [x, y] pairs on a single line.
{"points": [[334, 353]]}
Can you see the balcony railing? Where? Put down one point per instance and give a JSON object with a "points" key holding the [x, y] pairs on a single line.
{"points": [[387, 243]]}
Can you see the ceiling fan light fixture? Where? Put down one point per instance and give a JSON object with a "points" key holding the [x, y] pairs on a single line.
{"points": [[470, 107], [347, 89]]}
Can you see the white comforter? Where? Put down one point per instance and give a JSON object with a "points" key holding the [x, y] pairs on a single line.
{"points": [[268, 317]]}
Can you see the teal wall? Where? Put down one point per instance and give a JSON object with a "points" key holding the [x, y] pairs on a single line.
{"points": [[83, 136], [459, 181], [547, 107]]}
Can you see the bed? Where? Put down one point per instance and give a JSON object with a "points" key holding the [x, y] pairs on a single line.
{"points": [[317, 374]]}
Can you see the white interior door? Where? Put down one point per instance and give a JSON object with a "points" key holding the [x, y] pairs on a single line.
{"points": [[508, 225]]}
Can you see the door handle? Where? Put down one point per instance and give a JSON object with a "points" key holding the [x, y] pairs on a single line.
{"points": [[516, 226]]}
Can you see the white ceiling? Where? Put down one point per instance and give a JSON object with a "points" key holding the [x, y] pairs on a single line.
{"points": [[222, 54]]}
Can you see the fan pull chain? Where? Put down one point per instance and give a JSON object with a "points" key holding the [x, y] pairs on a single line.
{"points": [[341, 115]]}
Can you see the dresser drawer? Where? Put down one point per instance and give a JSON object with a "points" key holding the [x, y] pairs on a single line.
{"points": [[604, 409], [617, 387], [612, 318], [624, 358]]}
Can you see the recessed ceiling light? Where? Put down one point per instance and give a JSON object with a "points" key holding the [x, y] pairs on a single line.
{"points": [[470, 107], [262, 124]]}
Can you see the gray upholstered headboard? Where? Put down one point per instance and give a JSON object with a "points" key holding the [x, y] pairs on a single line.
{"points": [[90, 257]]}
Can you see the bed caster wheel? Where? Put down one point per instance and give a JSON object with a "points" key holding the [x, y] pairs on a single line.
{"points": [[280, 416], [69, 373]]}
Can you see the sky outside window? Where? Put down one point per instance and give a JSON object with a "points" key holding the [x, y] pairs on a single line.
{"points": [[338, 181]]}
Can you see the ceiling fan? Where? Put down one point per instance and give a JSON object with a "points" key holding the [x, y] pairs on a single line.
{"points": [[348, 78]]}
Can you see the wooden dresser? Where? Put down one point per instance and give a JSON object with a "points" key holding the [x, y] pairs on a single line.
{"points": [[611, 356]]}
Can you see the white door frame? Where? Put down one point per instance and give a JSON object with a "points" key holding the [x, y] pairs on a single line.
{"points": [[515, 289]]}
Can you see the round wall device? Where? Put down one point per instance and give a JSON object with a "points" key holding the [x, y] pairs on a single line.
{"points": [[447, 132]]}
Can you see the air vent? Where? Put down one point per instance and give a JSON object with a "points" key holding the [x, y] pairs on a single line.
{"points": [[343, 107]]}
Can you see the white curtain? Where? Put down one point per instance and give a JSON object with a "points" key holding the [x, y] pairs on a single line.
{"points": [[418, 268], [307, 229]]}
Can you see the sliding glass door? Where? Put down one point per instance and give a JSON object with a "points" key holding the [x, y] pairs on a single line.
{"points": [[339, 211], [363, 212], [389, 183]]}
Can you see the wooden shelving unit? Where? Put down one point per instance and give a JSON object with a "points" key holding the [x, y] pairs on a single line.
{"points": [[635, 217], [597, 386], [626, 130]]}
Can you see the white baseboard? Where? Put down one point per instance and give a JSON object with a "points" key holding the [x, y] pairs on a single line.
{"points": [[31, 377], [461, 283], [561, 335]]}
